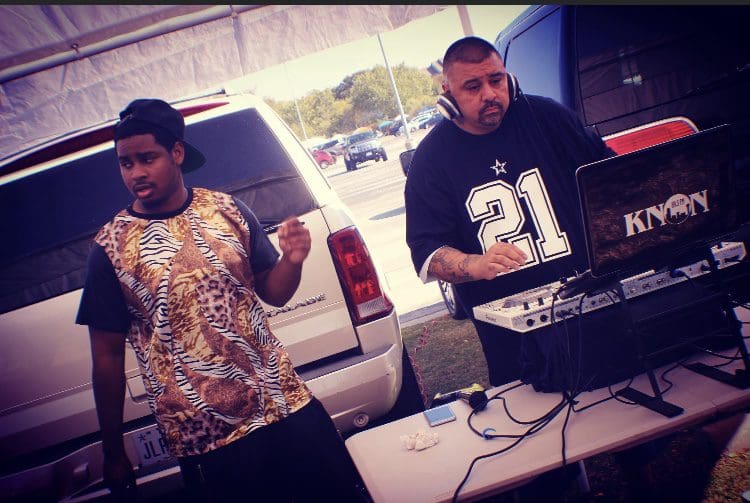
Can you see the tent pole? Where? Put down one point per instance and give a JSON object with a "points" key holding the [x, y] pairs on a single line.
{"points": [[407, 143]]}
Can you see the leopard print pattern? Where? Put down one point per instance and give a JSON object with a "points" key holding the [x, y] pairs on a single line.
{"points": [[213, 369]]}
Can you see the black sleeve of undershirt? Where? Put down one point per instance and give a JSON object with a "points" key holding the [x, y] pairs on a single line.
{"points": [[263, 255], [102, 302]]}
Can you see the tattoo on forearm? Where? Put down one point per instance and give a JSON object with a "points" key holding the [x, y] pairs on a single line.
{"points": [[463, 266], [452, 265]]}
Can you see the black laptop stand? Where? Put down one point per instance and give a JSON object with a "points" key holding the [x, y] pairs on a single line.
{"points": [[712, 294]]}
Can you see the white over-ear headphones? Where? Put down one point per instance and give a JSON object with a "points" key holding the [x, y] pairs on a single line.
{"points": [[448, 108]]}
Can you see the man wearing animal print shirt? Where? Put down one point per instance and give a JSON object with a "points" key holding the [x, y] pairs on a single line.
{"points": [[179, 274]]}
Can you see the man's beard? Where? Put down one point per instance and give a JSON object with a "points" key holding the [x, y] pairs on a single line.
{"points": [[494, 118]]}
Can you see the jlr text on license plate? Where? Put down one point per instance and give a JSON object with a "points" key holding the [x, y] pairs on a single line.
{"points": [[150, 446]]}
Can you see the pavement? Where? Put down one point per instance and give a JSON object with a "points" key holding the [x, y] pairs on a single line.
{"points": [[422, 314]]}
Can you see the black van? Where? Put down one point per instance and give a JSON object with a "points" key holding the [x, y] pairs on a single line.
{"points": [[640, 74]]}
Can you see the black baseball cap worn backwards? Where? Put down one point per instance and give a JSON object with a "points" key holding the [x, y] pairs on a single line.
{"points": [[162, 115]]}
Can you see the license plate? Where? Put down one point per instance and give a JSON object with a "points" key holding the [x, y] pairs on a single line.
{"points": [[150, 446]]}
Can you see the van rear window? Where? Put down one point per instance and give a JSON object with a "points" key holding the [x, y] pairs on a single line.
{"points": [[632, 59], [535, 58], [53, 214]]}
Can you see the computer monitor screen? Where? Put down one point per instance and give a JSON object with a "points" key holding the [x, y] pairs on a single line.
{"points": [[643, 209]]}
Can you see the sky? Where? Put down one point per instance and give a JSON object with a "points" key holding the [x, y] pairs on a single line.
{"points": [[416, 44]]}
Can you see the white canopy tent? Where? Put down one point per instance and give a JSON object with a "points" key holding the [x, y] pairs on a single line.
{"points": [[64, 67]]}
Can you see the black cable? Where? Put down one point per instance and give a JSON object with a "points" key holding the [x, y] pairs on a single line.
{"points": [[710, 351], [564, 353], [578, 388], [536, 425], [558, 350], [676, 273], [579, 370], [568, 396], [510, 416], [663, 376], [474, 461], [528, 432], [566, 357], [622, 400], [730, 359], [592, 404], [564, 427], [541, 423]]}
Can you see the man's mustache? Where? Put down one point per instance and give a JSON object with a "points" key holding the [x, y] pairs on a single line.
{"points": [[491, 104]]}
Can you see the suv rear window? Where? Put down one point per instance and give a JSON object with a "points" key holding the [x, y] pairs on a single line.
{"points": [[652, 55], [57, 211]]}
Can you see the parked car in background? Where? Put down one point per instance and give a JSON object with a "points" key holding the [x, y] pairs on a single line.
{"points": [[340, 328], [361, 147], [428, 110], [450, 299], [422, 121], [323, 158], [431, 121], [334, 146], [413, 125], [384, 126], [395, 127]]}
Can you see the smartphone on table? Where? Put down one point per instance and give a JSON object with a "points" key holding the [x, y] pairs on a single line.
{"points": [[439, 415]]}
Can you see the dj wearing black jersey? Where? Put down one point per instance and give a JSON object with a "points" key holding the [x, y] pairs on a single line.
{"points": [[491, 199]]}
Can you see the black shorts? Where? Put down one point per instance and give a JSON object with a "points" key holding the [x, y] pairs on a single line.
{"points": [[300, 458]]}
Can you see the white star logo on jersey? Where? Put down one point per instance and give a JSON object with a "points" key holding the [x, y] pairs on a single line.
{"points": [[499, 167]]}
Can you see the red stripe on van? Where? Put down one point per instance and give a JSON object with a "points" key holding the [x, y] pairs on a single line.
{"points": [[650, 134]]}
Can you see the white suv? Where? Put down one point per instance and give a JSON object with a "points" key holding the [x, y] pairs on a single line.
{"points": [[340, 328]]}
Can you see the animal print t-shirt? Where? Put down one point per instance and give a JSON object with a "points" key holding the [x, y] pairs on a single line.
{"points": [[213, 370]]}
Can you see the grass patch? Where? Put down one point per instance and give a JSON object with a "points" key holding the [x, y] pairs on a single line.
{"points": [[446, 355]]}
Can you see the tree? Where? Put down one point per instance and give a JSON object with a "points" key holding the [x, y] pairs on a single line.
{"points": [[288, 114], [415, 88], [363, 98], [341, 91], [316, 109], [344, 118], [372, 94]]}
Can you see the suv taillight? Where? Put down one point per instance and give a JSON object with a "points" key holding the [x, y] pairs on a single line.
{"points": [[650, 134], [357, 275]]}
